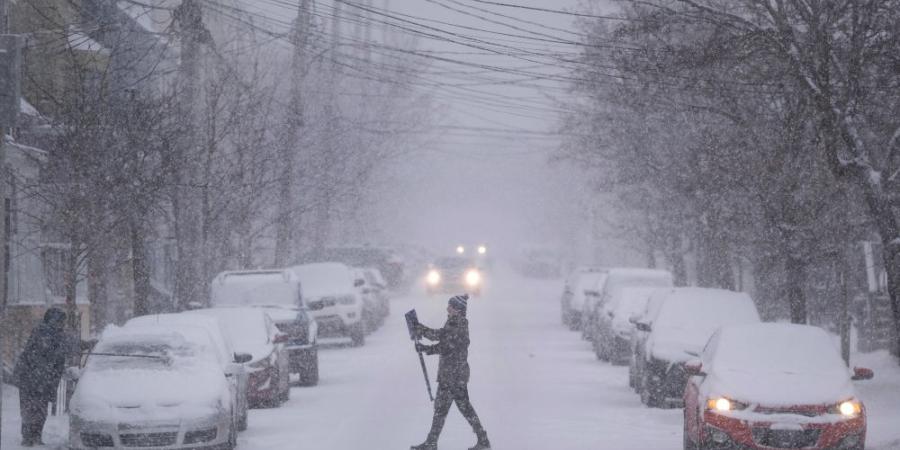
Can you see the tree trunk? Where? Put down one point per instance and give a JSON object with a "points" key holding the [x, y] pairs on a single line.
{"points": [[795, 279], [140, 271], [97, 287]]}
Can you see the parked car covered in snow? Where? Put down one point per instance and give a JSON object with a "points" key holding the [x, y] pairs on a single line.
{"points": [[771, 385], [230, 362], [159, 387], [615, 334], [582, 284], [253, 332], [331, 297], [389, 262], [600, 309], [565, 301], [277, 292], [677, 324]]}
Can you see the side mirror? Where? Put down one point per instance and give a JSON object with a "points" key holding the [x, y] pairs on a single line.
{"points": [[633, 319], [861, 373], [280, 338], [242, 358], [358, 283], [643, 326], [694, 368]]}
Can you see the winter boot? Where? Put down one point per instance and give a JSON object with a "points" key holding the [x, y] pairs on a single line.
{"points": [[427, 445], [483, 444]]}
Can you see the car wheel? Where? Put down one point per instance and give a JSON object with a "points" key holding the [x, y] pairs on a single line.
{"points": [[309, 376], [358, 335], [649, 393]]}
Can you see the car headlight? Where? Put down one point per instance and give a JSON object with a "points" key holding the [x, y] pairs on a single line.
{"points": [[482, 250], [723, 404], [473, 278], [433, 277], [847, 408], [347, 300]]}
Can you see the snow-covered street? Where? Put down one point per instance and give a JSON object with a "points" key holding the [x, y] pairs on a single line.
{"points": [[535, 385]]}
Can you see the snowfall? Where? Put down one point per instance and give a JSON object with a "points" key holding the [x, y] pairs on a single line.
{"points": [[534, 384]]}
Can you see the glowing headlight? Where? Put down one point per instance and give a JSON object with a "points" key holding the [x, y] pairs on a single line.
{"points": [[473, 278], [433, 277], [724, 404], [849, 408], [482, 249], [460, 249]]}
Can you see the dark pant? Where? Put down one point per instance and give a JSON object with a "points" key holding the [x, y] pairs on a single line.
{"points": [[448, 393], [33, 408]]}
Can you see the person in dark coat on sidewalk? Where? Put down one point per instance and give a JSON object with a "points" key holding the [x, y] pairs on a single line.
{"points": [[39, 370], [453, 373]]}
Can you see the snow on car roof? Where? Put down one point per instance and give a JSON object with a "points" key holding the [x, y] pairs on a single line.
{"points": [[777, 364], [688, 316], [223, 345], [324, 279], [246, 328], [255, 288]]}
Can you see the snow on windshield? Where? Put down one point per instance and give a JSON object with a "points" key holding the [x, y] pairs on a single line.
{"points": [[779, 347]]}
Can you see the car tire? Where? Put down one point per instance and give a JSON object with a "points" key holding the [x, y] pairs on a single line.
{"points": [[358, 335], [309, 376], [649, 395]]}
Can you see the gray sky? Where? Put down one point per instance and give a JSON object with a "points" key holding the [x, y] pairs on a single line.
{"points": [[485, 176]]}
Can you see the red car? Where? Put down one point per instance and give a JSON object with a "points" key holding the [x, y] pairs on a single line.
{"points": [[766, 386]]}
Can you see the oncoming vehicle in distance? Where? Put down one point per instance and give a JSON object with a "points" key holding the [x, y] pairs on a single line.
{"points": [[454, 274], [277, 293], [158, 387], [765, 386]]}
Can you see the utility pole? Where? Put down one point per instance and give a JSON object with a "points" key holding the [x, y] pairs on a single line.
{"points": [[328, 180], [10, 98], [284, 240], [186, 200]]}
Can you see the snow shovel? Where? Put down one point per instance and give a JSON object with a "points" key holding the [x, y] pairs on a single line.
{"points": [[412, 320]]}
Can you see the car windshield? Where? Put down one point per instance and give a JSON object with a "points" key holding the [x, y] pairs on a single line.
{"points": [[788, 349], [452, 263], [132, 355]]}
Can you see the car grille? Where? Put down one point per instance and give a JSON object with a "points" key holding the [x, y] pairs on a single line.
{"points": [[96, 440], [149, 439], [321, 303], [194, 437], [786, 438]]}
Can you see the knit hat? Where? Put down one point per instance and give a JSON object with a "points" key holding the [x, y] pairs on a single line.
{"points": [[459, 302]]}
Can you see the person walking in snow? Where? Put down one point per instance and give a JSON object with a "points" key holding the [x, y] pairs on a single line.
{"points": [[453, 373], [38, 372]]}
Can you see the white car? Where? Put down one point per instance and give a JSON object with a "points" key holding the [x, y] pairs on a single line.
{"points": [[330, 295], [159, 387], [597, 317], [584, 283], [230, 362]]}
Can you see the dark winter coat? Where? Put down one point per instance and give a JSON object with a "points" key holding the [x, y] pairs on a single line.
{"points": [[42, 362], [453, 346]]}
